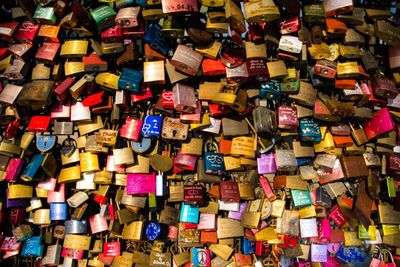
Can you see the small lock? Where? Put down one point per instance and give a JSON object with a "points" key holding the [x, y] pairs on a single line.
{"points": [[214, 161]]}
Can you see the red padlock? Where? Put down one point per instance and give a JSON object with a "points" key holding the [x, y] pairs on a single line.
{"points": [[131, 129], [11, 130], [112, 35], [145, 94], [112, 249], [262, 248], [287, 117], [16, 215], [167, 99], [93, 99], [100, 199]]}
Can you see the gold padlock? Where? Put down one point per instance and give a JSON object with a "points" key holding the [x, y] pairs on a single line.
{"points": [[261, 11], [74, 48], [243, 146], [277, 69], [348, 51], [89, 162], [216, 27], [70, 174], [42, 216], [153, 72], [347, 70], [133, 231], [211, 51], [327, 143], [255, 50], [88, 127], [16, 191], [108, 80], [141, 166], [208, 90], [73, 67], [194, 147], [79, 242]]}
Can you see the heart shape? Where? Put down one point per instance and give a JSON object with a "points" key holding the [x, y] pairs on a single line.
{"points": [[168, 96]]}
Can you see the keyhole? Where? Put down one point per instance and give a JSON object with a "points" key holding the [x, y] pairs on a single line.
{"points": [[174, 133], [45, 141]]}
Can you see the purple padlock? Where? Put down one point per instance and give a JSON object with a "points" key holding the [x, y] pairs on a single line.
{"points": [[237, 215], [266, 163], [13, 203], [319, 253]]}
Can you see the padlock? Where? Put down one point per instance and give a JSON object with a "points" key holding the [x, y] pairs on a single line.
{"points": [[27, 32], [127, 17], [270, 90], [309, 131], [130, 80], [185, 161], [131, 129], [184, 98], [173, 129], [213, 160], [33, 247], [287, 117], [45, 15], [104, 17]]}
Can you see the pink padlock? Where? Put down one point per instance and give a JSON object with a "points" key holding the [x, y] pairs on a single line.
{"points": [[267, 189], [389, 257], [98, 223], [111, 167], [185, 162], [14, 169], [48, 184], [56, 196], [333, 248], [332, 262], [376, 260], [237, 215], [141, 184], [325, 230], [380, 124]]}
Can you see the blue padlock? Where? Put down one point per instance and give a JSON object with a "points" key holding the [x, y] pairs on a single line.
{"points": [[130, 80], [32, 167], [152, 126], [141, 2], [201, 257], [247, 246], [304, 161], [155, 38], [213, 161], [75, 227], [189, 213], [45, 142], [33, 247], [58, 211], [309, 130], [125, 3], [270, 90], [354, 256]]}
